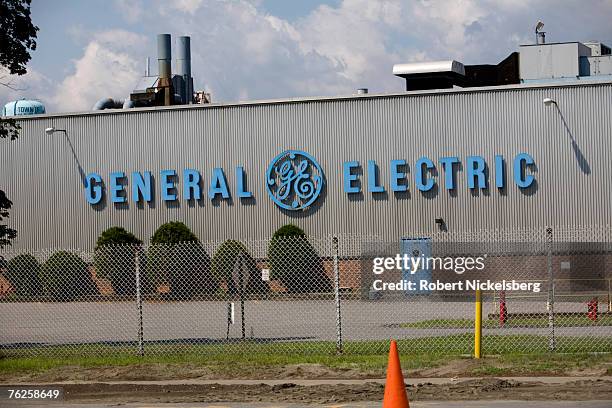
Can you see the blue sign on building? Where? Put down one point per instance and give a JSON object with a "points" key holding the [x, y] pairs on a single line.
{"points": [[295, 180]]}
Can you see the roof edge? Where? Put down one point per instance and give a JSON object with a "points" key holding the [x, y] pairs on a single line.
{"points": [[309, 99]]}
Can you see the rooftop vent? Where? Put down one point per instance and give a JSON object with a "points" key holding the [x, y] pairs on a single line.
{"points": [[431, 75], [598, 49], [449, 74]]}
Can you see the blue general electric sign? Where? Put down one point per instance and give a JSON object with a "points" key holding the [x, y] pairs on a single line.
{"points": [[294, 179]]}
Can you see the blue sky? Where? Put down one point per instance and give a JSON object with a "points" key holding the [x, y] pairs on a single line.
{"points": [[260, 49]]}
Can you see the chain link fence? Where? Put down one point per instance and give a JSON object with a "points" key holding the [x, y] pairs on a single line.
{"points": [[309, 295]]}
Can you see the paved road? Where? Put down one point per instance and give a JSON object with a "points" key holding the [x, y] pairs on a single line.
{"points": [[371, 404], [79, 322]]}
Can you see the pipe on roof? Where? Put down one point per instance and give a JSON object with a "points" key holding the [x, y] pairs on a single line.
{"points": [[110, 103], [106, 103]]}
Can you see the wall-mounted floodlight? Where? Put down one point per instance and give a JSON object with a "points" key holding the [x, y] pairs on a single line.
{"points": [[441, 224], [549, 101], [539, 26], [52, 130], [540, 35]]}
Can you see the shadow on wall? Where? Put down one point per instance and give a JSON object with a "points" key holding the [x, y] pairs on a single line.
{"points": [[76, 159], [533, 188], [583, 164], [50, 131]]}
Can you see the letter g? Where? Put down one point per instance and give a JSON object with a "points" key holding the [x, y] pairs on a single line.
{"points": [[93, 189]]}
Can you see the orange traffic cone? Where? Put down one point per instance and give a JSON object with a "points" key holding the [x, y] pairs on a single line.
{"points": [[395, 389]]}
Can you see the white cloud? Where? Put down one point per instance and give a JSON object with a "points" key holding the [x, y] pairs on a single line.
{"points": [[109, 67], [131, 10], [120, 39], [355, 36], [239, 51], [242, 52], [32, 85], [186, 6]]}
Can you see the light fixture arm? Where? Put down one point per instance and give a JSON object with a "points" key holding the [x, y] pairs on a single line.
{"points": [[51, 130]]}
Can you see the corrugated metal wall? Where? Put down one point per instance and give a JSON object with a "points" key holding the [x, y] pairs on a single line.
{"points": [[40, 173]]}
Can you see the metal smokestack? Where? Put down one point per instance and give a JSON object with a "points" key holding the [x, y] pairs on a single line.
{"points": [[183, 56], [164, 62], [164, 56], [183, 67]]}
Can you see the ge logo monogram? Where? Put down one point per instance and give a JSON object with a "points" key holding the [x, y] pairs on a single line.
{"points": [[294, 180]]}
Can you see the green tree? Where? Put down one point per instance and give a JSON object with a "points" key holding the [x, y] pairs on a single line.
{"points": [[23, 272], [177, 257], [224, 263], [65, 277], [6, 234], [17, 39], [17, 35], [115, 259], [295, 262]]}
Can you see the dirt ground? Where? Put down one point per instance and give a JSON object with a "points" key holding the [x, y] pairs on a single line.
{"points": [[488, 388], [487, 367], [481, 389]]}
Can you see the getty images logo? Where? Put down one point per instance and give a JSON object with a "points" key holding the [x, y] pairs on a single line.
{"points": [[294, 180]]}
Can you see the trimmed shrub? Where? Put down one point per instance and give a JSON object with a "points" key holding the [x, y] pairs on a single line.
{"points": [[23, 272], [173, 233], [295, 262], [117, 236], [115, 259], [178, 259], [224, 263], [65, 277]]}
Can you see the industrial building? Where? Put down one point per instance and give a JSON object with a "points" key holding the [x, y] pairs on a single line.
{"points": [[522, 144]]}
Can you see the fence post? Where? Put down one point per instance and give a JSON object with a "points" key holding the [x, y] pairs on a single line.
{"points": [[551, 291], [242, 285], [609, 298], [238, 275], [337, 296], [139, 303], [478, 325]]}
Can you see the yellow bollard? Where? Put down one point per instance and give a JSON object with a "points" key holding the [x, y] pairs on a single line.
{"points": [[478, 325]]}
